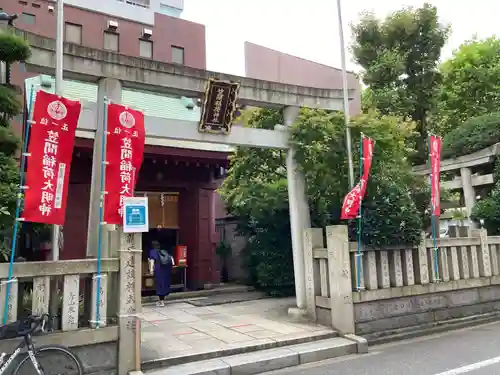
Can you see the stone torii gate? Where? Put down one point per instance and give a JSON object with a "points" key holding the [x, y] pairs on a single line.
{"points": [[112, 71]]}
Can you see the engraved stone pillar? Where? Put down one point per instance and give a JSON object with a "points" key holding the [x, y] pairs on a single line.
{"points": [[444, 271], [396, 268], [41, 295], [313, 238], [71, 302], [432, 266], [384, 279], [323, 275], [358, 264], [370, 269], [463, 262], [13, 300], [103, 301], [473, 262], [340, 279], [423, 262], [495, 270], [484, 254], [130, 302], [453, 263], [408, 272]]}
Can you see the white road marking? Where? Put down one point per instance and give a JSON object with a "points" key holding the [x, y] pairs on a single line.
{"points": [[471, 367]]}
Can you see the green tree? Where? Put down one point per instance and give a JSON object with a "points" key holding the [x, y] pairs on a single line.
{"points": [[399, 56], [474, 134], [488, 209], [255, 189], [12, 49], [470, 83]]}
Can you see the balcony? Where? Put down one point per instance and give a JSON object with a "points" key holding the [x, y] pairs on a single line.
{"points": [[139, 3]]}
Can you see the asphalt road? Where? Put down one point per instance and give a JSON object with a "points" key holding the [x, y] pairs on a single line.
{"points": [[472, 351]]}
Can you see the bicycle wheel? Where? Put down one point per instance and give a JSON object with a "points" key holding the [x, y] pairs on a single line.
{"points": [[53, 360]]}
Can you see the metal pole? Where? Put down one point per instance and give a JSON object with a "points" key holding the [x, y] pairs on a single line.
{"points": [[59, 91], [346, 96], [56, 229]]}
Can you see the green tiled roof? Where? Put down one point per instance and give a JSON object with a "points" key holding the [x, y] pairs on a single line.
{"points": [[150, 103], [159, 105]]}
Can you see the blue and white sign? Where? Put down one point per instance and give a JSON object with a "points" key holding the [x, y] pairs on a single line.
{"points": [[135, 215]]}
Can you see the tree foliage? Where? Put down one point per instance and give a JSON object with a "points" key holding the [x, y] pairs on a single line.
{"points": [[488, 209], [473, 135], [12, 49], [470, 83], [399, 56], [255, 189]]}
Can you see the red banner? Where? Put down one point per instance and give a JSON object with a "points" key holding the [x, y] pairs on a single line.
{"points": [[435, 156], [352, 201], [124, 153], [50, 149]]}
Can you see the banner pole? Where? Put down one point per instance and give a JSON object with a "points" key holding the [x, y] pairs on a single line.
{"points": [[433, 217], [360, 215], [101, 214], [18, 206]]}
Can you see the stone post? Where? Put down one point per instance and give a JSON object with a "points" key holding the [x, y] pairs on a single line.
{"points": [[300, 218], [484, 254], [313, 238], [339, 268], [468, 189], [130, 303], [112, 89]]}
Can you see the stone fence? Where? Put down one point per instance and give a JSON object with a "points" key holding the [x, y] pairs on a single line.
{"points": [[69, 288], [398, 285]]}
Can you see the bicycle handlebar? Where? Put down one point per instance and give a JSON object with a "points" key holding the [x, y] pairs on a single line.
{"points": [[32, 323]]}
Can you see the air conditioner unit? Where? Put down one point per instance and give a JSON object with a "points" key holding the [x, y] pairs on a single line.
{"points": [[112, 25], [50, 8], [147, 33]]}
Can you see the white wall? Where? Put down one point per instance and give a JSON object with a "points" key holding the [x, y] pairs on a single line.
{"points": [[122, 9]]}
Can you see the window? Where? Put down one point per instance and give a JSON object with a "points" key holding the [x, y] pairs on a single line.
{"points": [[73, 33], [35, 5], [146, 48], [178, 55], [28, 19], [23, 2], [111, 41]]}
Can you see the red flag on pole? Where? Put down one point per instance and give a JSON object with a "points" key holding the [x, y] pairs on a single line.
{"points": [[352, 201], [435, 156], [124, 154], [50, 151]]}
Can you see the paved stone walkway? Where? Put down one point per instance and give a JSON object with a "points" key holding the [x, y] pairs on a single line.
{"points": [[180, 329]]}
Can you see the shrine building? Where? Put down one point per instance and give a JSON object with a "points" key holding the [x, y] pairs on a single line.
{"points": [[179, 178]]}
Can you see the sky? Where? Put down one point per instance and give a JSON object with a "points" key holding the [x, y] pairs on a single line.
{"points": [[309, 28]]}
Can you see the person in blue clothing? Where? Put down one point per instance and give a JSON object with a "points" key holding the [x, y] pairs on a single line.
{"points": [[160, 264]]}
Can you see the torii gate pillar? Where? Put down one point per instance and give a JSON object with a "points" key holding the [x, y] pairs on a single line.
{"points": [[300, 218]]}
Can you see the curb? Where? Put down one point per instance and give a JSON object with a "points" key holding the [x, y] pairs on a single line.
{"points": [[361, 342], [165, 362], [430, 328], [265, 360]]}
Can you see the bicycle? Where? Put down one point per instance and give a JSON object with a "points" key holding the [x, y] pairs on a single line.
{"points": [[31, 362]]}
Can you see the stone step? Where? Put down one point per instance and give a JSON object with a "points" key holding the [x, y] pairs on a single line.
{"points": [[238, 348], [265, 360], [217, 290]]}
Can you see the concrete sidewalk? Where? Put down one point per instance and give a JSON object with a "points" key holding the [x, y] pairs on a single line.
{"points": [[181, 333]]}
